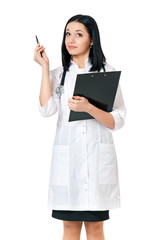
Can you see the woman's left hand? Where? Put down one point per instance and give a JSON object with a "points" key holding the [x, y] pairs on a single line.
{"points": [[78, 104]]}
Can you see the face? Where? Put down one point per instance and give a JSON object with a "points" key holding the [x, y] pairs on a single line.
{"points": [[77, 39]]}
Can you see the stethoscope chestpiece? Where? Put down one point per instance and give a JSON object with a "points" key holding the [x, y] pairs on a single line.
{"points": [[60, 90]]}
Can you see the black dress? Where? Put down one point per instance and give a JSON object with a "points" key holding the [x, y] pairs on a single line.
{"points": [[88, 216]]}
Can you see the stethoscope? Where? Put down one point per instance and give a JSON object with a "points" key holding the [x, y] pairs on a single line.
{"points": [[60, 88]]}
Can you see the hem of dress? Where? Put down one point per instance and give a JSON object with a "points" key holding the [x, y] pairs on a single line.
{"points": [[72, 217]]}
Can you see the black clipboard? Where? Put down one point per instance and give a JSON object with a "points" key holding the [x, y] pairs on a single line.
{"points": [[99, 88]]}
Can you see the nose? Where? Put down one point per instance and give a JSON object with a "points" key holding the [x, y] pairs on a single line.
{"points": [[72, 40]]}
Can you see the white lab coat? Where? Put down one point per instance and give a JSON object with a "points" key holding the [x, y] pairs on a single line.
{"points": [[84, 170]]}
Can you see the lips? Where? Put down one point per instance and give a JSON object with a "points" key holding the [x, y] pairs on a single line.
{"points": [[72, 47]]}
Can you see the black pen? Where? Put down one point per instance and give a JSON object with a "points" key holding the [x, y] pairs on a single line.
{"points": [[37, 42]]}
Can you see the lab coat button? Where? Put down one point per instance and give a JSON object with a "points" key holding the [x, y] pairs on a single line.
{"points": [[118, 196], [85, 189], [85, 182]]}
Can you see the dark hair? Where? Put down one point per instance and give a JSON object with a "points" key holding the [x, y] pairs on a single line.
{"points": [[96, 54]]}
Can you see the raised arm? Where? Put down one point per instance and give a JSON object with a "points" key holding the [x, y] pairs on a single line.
{"points": [[48, 102], [45, 90]]}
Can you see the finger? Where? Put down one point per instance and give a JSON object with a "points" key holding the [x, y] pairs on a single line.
{"points": [[70, 100], [73, 101], [41, 50], [44, 54], [77, 97], [38, 47]]}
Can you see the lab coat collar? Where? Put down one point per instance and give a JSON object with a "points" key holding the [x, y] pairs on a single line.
{"points": [[88, 64]]}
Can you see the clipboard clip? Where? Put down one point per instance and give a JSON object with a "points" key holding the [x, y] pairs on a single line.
{"points": [[104, 70]]}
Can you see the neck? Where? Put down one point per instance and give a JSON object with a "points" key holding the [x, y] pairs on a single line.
{"points": [[80, 60]]}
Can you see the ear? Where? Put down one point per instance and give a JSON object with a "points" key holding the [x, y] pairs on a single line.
{"points": [[91, 43]]}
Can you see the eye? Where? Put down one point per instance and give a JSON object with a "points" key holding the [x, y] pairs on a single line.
{"points": [[80, 35], [67, 33]]}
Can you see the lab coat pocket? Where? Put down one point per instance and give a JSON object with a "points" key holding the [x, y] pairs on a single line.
{"points": [[107, 164], [59, 165]]}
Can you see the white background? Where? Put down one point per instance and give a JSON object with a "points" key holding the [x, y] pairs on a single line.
{"points": [[129, 38]]}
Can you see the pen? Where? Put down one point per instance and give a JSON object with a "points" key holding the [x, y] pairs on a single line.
{"points": [[37, 42]]}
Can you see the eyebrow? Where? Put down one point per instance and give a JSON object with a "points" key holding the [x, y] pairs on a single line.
{"points": [[76, 30]]}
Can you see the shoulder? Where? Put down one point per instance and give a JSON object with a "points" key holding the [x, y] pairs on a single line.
{"points": [[109, 67]]}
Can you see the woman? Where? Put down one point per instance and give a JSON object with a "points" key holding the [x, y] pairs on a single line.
{"points": [[84, 183]]}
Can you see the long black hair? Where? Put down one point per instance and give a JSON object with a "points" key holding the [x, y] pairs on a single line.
{"points": [[96, 54]]}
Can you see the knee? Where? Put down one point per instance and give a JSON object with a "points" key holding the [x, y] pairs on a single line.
{"points": [[94, 228]]}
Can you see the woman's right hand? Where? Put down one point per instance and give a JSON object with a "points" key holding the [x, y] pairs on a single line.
{"points": [[43, 61]]}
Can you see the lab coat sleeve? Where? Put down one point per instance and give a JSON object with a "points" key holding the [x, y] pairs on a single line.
{"points": [[52, 105], [119, 111]]}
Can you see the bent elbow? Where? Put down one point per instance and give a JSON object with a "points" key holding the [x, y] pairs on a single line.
{"points": [[49, 109], [119, 120]]}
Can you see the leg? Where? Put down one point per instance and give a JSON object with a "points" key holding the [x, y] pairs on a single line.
{"points": [[72, 230], [94, 230]]}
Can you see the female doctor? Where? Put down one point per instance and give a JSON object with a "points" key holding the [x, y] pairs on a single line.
{"points": [[84, 183]]}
